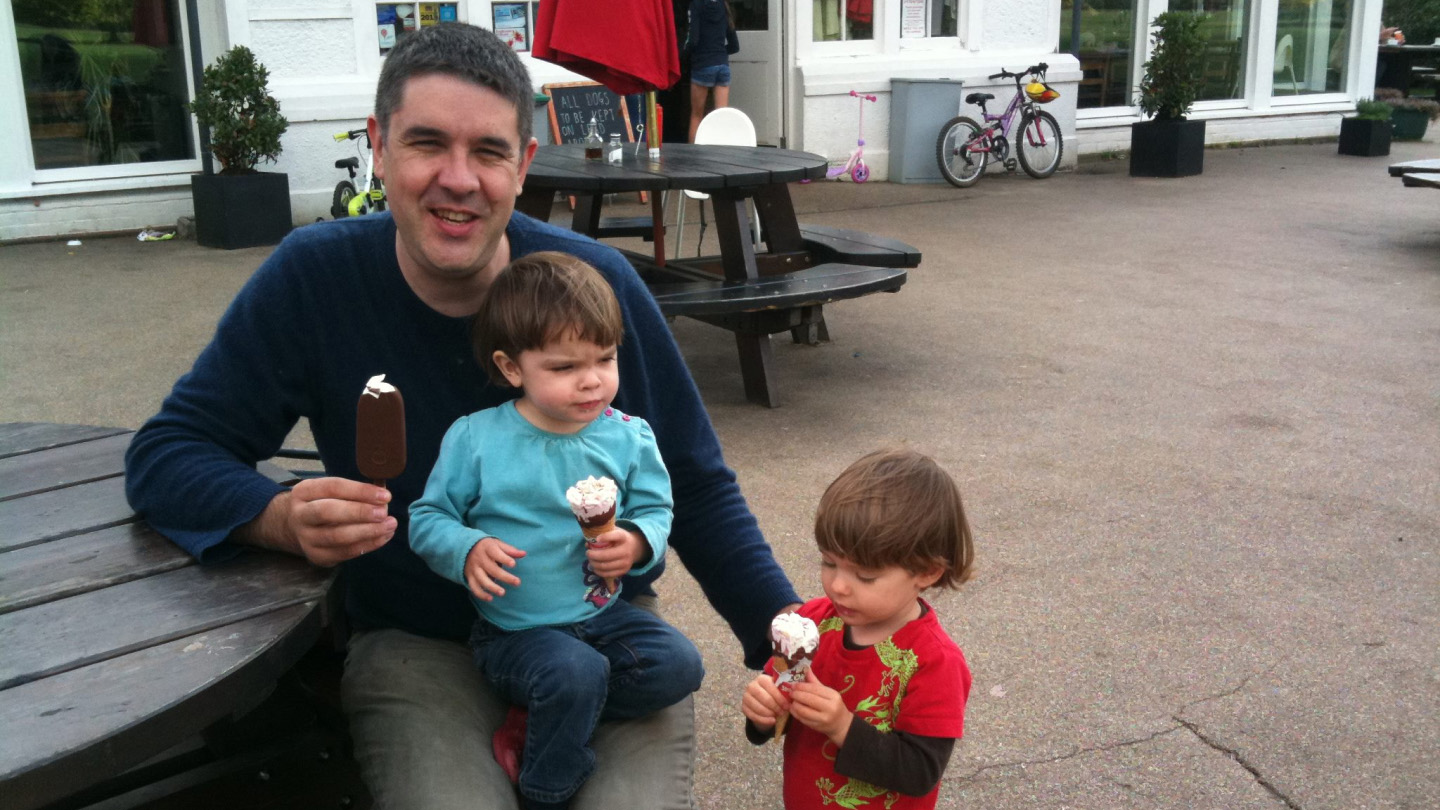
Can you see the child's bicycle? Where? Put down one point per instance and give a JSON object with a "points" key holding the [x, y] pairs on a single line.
{"points": [[859, 172], [347, 202], [964, 147]]}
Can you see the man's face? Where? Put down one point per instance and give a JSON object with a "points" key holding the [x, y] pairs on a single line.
{"points": [[452, 163]]}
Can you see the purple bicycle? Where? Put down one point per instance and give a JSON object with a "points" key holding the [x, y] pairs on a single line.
{"points": [[964, 146]]}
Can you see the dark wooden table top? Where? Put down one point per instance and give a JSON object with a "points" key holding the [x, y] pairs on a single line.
{"points": [[1427, 165], [699, 167], [116, 645]]}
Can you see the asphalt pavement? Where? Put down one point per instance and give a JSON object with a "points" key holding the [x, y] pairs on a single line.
{"points": [[1196, 423]]}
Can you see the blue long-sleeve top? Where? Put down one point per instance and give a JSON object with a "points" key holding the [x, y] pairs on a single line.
{"points": [[328, 310], [712, 38], [500, 476]]}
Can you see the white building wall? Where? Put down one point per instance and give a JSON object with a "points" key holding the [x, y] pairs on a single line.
{"points": [[324, 61]]}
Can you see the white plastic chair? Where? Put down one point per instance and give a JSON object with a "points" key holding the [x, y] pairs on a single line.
{"points": [[1285, 61], [725, 126]]}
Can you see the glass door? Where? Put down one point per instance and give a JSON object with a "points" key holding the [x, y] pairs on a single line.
{"points": [[1101, 34]]}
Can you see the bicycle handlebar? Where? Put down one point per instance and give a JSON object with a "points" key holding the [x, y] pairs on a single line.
{"points": [[350, 135], [1036, 69]]}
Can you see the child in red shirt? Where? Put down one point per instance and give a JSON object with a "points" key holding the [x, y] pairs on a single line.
{"points": [[891, 526]]}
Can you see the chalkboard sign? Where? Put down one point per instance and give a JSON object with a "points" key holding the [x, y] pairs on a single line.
{"points": [[572, 104]]}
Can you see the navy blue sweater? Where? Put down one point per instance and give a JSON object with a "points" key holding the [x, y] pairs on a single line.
{"points": [[328, 310], [712, 38]]}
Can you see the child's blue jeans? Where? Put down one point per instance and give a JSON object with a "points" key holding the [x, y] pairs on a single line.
{"points": [[622, 664]]}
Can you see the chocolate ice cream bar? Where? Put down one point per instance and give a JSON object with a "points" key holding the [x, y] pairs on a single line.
{"points": [[380, 431]]}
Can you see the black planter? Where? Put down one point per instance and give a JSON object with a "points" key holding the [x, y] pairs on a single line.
{"points": [[1364, 138], [242, 210], [1174, 148]]}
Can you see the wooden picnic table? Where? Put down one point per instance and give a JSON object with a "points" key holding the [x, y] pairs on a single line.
{"points": [[117, 646], [751, 292], [1417, 173], [1397, 64]]}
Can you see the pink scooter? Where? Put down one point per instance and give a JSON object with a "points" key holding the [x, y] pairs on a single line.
{"points": [[859, 172]]}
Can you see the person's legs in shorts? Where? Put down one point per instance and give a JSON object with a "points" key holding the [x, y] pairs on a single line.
{"points": [[703, 81]]}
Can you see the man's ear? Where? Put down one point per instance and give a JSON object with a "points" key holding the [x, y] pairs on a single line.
{"points": [[509, 368], [377, 145]]}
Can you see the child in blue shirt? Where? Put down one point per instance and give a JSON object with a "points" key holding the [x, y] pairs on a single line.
{"points": [[494, 517]]}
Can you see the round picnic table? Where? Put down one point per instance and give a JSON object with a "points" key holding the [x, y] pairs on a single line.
{"points": [[117, 646]]}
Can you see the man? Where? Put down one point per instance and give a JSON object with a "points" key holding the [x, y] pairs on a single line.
{"points": [[391, 294]]}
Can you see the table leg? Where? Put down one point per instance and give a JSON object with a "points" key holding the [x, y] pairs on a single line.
{"points": [[756, 368], [781, 229], [737, 256], [536, 203], [586, 217], [657, 221]]}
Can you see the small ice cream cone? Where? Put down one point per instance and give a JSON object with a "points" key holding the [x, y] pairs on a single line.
{"points": [[593, 503], [794, 639]]}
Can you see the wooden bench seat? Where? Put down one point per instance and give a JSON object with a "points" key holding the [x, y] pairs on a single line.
{"points": [[820, 284], [1421, 179], [831, 244], [755, 309]]}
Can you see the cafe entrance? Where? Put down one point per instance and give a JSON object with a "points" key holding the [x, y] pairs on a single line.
{"points": [[758, 75]]}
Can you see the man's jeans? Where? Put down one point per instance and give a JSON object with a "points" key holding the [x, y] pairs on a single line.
{"points": [[422, 716], [621, 664]]}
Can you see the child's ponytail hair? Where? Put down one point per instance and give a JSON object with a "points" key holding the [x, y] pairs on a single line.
{"points": [[897, 507]]}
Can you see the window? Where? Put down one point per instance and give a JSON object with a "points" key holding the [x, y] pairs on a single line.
{"points": [[105, 83], [395, 20], [1227, 34], [1312, 46], [843, 20], [929, 18], [1101, 34]]}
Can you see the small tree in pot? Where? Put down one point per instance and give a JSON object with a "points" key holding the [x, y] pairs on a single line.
{"points": [[1170, 145], [240, 207], [1367, 132]]}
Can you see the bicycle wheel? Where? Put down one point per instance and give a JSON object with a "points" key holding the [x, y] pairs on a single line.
{"points": [[1039, 146], [340, 203], [960, 164]]}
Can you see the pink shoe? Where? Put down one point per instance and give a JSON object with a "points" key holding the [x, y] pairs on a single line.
{"points": [[509, 742]]}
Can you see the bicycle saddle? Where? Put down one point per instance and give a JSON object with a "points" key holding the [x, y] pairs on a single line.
{"points": [[348, 163], [978, 98]]}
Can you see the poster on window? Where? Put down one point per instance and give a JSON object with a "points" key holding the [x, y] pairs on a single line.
{"points": [[912, 19], [512, 24]]}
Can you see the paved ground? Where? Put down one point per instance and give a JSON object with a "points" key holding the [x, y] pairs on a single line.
{"points": [[1195, 422]]}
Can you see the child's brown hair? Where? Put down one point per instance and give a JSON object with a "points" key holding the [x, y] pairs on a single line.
{"points": [[539, 298], [897, 507]]}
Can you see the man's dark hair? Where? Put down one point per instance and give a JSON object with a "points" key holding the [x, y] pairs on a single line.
{"points": [[466, 52]]}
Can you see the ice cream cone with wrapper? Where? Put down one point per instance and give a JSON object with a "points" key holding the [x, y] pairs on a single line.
{"points": [[795, 639], [593, 503]]}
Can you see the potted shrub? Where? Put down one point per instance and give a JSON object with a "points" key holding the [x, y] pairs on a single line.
{"points": [[1367, 132], [1169, 145], [1410, 116], [240, 207]]}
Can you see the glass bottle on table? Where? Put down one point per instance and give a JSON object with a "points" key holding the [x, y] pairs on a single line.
{"points": [[614, 150], [594, 144]]}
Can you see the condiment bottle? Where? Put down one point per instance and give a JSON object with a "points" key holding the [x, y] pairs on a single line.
{"points": [[614, 151], [594, 144]]}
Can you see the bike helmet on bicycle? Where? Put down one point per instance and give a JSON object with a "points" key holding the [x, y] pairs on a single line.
{"points": [[1041, 92]]}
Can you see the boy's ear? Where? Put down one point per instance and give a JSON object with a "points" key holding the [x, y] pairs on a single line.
{"points": [[927, 578], [507, 367]]}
